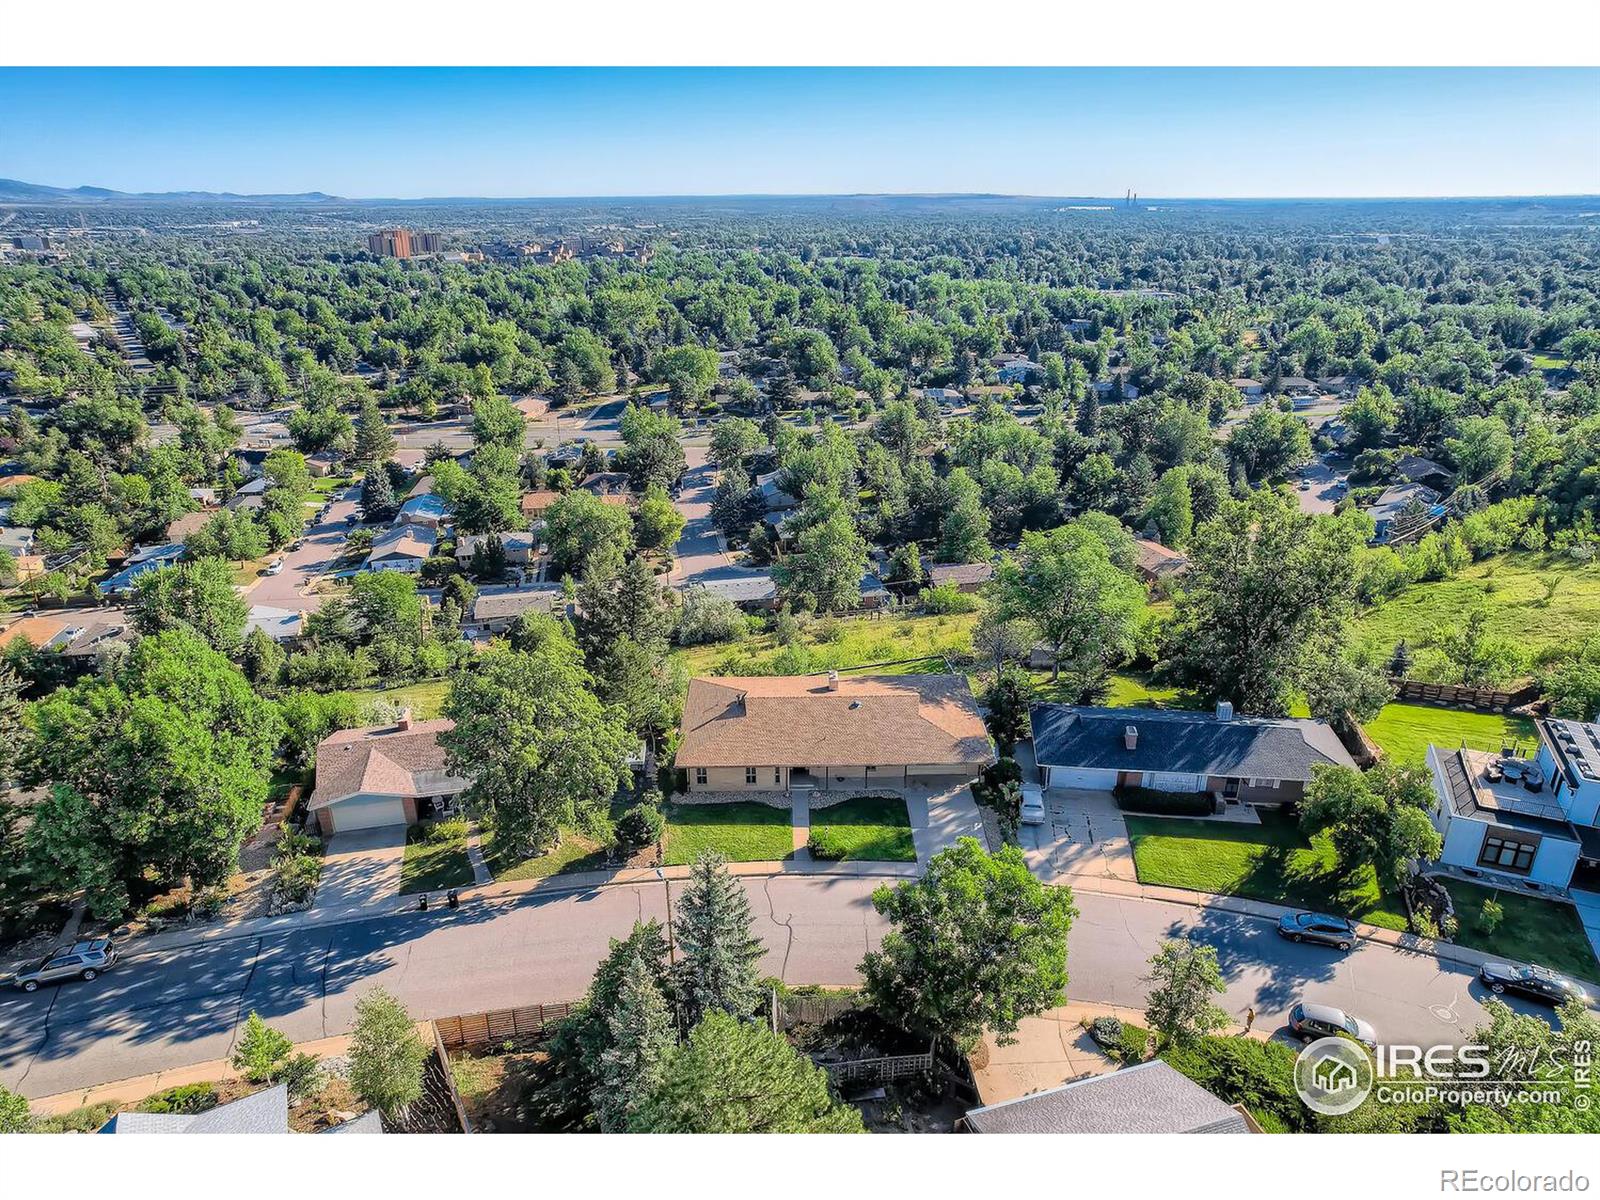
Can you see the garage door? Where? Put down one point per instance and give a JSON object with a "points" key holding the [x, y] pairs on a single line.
{"points": [[367, 812], [1082, 777]]}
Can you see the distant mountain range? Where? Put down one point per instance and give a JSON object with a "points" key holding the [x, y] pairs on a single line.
{"points": [[16, 191]]}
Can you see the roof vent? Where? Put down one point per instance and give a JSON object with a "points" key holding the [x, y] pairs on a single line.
{"points": [[1130, 737], [855, 704], [1224, 710]]}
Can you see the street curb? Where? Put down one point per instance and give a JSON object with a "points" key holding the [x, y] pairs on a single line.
{"points": [[1264, 911], [491, 893]]}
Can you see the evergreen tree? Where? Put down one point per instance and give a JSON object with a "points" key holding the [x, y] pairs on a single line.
{"points": [[377, 495], [374, 444], [718, 953], [737, 1077], [641, 1034]]}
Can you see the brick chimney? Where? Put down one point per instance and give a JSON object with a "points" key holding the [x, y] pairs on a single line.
{"points": [[1130, 737], [1224, 710], [833, 681], [403, 721]]}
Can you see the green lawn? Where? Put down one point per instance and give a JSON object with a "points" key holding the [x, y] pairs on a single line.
{"points": [[743, 831], [1135, 689], [864, 829], [1532, 930], [860, 641], [431, 865], [1405, 730], [1510, 588], [1272, 861], [575, 852], [425, 699]]}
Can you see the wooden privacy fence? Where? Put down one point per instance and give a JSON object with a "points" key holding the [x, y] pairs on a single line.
{"points": [[502, 1025], [1457, 696]]}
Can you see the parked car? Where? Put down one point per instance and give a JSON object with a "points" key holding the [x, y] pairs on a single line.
{"points": [[81, 960], [1308, 1022], [1317, 927], [275, 567], [1536, 983], [1032, 804]]}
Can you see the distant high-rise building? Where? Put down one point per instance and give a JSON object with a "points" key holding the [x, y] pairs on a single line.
{"points": [[426, 243], [390, 243]]}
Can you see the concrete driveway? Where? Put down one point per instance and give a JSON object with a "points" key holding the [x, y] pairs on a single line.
{"points": [[361, 868]]}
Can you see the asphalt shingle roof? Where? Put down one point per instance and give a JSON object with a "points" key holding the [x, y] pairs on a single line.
{"points": [[881, 720], [1183, 742], [1149, 1098]]}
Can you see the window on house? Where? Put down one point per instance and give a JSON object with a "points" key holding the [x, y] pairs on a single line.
{"points": [[749, 774], [777, 774], [1507, 854], [700, 775], [1264, 783]]}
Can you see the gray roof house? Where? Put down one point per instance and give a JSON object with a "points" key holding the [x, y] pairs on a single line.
{"points": [[262, 1112], [1255, 760], [1148, 1098]]}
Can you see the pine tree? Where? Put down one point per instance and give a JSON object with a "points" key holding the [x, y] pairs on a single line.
{"points": [[719, 954], [642, 1033], [374, 445], [377, 494]]}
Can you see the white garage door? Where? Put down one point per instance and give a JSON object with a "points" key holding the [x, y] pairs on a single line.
{"points": [[1082, 777], [368, 812]]}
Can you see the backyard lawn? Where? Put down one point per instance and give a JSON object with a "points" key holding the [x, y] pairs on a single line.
{"points": [[858, 641], [1404, 730], [1510, 588], [863, 829], [743, 831], [1533, 930], [433, 863], [425, 699], [1272, 861]]}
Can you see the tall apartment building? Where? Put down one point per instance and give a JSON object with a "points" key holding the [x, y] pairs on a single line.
{"points": [[403, 243], [390, 243]]}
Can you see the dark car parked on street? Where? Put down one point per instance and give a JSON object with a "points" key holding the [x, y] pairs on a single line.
{"points": [[1536, 983], [1317, 927]]}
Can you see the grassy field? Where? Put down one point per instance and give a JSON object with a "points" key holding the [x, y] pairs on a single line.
{"points": [[1272, 861], [431, 865], [1510, 588], [863, 829], [860, 641], [425, 699], [1532, 930], [743, 831], [1405, 730]]}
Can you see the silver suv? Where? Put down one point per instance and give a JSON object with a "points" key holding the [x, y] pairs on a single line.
{"points": [[81, 960]]}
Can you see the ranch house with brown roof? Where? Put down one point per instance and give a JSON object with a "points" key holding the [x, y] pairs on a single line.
{"points": [[777, 733]]}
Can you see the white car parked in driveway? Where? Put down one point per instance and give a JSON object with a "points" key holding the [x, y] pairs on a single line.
{"points": [[1032, 804]]}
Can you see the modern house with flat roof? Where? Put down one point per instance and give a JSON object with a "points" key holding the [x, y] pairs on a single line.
{"points": [[1533, 821], [774, 733], [1248, 760]]}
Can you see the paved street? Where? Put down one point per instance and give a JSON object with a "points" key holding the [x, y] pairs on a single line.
{"points": [[320, 545], [166, 1010]]}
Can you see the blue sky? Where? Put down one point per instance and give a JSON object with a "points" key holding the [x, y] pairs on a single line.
{"points": [[634, 131]]}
